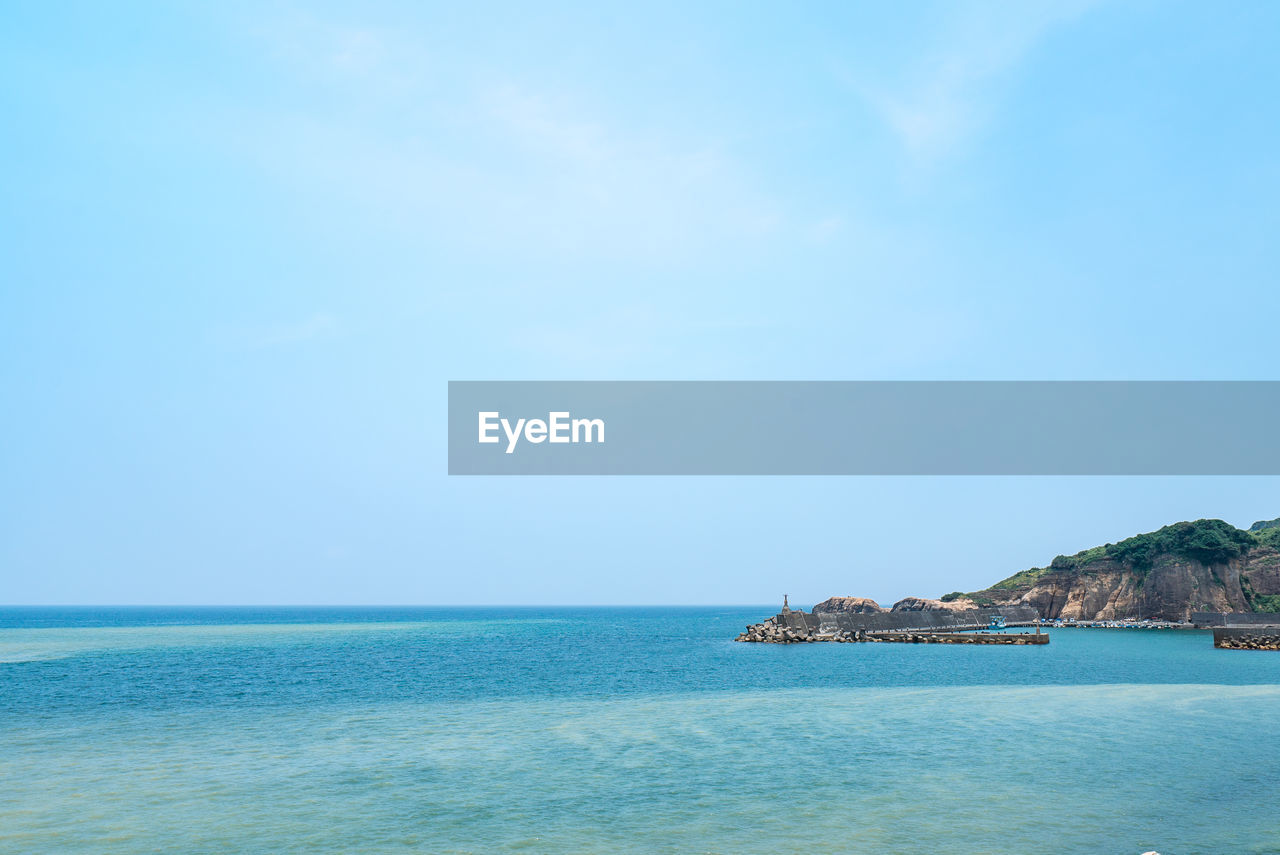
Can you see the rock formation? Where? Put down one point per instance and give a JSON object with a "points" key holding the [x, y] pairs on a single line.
{"points": [[867, 606], [920, 604], [849, 605]]}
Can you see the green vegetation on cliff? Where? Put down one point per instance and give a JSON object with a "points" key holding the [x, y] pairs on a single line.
{"points": [[1206, 541], [1259, 602], [1209, 542], [1023, 579]]}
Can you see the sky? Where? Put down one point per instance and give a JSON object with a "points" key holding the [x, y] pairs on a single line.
{"points": [[245, 245]]}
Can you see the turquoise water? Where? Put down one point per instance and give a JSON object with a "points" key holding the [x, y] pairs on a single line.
{"points": [[618, 730]]}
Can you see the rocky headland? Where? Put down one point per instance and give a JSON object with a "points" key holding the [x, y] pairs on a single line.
{"points": [[1161, 576], [1201, 566]]}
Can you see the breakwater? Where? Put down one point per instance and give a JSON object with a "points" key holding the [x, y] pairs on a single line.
{"points": [[1208, 620], [791, 626], [944, 620], [1125, 623], [771, 633], [1252, 638], [962, 637]]}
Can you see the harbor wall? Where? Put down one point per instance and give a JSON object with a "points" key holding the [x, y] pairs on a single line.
{"points": [[905, 620], [1247, 638], [1212, 619]]}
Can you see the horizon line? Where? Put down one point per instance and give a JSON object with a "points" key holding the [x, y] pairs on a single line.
{"points": [[368, 605]]}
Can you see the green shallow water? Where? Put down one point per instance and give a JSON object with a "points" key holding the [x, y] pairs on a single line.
{"points": [[300, 738]]}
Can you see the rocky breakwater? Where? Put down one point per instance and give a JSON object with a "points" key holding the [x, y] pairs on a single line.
{"points": [[1253, 638], [914, 620], [772, 631], [961, 637]]}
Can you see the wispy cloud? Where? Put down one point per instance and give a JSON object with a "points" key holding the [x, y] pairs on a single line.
{"points": [[594, 177], [618, 336], [948, 92], [315, 327], [494, 156], [537, 122], [642, 337], [332, 50]]}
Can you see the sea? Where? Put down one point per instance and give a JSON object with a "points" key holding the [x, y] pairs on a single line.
{"points": [[618, 730]]}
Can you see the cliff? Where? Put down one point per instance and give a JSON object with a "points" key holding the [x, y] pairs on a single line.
{"points": [[1206, 565]]}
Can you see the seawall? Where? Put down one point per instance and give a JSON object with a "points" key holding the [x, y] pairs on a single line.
{"points": [[1252, 638], [1205, 620], [907, 620], [791, 626]]}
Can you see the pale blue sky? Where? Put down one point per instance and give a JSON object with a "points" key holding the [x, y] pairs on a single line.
{"points": [[243, 246]]}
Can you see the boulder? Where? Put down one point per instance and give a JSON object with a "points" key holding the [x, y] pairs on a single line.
{"points": [[849, 605]]}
